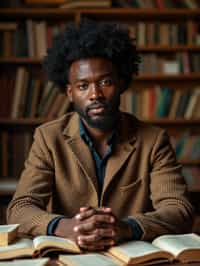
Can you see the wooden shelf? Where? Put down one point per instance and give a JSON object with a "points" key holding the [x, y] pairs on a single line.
{"points": [[20, 60], [101, 13], [162, 77], [142, 13], [38, 13], [169, 49]]}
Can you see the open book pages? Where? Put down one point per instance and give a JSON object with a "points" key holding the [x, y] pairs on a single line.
{"points": [[135, 252], [8, 233], [41, 242], [181, 247], [26, 262], [92, 259], [184, 247], [20, 248], [39, 245]]}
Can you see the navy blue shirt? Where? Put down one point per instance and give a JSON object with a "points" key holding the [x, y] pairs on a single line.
{"points": [[100, 165]]}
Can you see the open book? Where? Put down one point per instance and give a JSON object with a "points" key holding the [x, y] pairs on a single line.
{"points": [[8, 233], [184, 248], [38, 247]]}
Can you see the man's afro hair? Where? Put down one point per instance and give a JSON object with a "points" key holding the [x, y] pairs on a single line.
{"points": [[91, 39]]}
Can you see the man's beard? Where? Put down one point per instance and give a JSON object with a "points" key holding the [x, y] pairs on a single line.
{"points": [[104, 121]]}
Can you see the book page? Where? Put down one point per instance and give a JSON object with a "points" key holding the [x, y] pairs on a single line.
{"points": [[138, 251], [26, 262], [22, 247], [176, 244], [58, 242], [92, 259]]}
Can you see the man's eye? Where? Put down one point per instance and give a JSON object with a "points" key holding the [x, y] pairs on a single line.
{"points": [[83, 86], [106, 82]]}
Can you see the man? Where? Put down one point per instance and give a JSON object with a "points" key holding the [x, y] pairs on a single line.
{"points": [[106, 176]]}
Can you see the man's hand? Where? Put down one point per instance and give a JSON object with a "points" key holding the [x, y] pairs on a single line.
{"points": [[94, 229]]}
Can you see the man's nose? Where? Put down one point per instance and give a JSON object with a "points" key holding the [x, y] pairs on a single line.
{"points": [[95, 92]]}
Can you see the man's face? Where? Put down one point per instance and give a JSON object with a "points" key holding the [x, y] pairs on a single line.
{"points": [[94, 90]]}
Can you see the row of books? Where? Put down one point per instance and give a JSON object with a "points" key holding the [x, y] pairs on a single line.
{"points": [[33, 38], [27, 96], [163, 33], [29, 38], [187, 146], [176, 63], [57, 3], [162, 102], [160, 4]]}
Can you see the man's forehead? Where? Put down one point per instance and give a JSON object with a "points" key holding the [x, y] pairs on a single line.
{"points": [[94, 66]]}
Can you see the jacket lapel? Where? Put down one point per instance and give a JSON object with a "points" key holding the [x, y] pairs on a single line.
{"points": [[124, 148], [80, 149]]}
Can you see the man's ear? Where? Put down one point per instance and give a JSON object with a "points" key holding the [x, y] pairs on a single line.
{"points": [[68, 91]]}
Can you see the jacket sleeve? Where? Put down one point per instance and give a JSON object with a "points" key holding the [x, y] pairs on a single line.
{"points": [[29, 204], [173, 212]]}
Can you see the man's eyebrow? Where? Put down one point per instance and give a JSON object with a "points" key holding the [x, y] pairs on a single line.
{"points": [[85, 79]]}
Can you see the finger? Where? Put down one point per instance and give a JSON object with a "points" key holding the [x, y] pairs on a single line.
{"points": [[99, 234], [94, 242], [83, 209], [106, 209], [91, 248], [87, 213], [96, 221]]}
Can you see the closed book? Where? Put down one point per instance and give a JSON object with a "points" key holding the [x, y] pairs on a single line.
{"points": [[64, 107], [31, 37], [34, 104], [21, 78], [8, 233], [182, 105], [59, 100], [163, 103], [193, 101], [41, 39], [176, 98]]}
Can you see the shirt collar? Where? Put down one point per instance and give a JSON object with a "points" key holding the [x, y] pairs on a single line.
{"points": [[86, 137]]}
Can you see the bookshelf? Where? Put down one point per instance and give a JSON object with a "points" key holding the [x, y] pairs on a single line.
{"points": [[183, 80]]}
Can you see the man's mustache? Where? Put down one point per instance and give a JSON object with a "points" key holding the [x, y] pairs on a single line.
{"points": [[97, 104]]}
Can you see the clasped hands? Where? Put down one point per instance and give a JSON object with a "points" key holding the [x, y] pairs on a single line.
{"points": [[94, 229]]}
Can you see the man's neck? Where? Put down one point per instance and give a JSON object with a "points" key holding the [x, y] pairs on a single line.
{"points": [[99, 138]]}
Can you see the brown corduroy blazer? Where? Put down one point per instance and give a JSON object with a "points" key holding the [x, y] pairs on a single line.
{"points": [[142, 179]]}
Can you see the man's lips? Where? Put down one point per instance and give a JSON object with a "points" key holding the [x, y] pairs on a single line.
{"points": [[96, 109]]}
